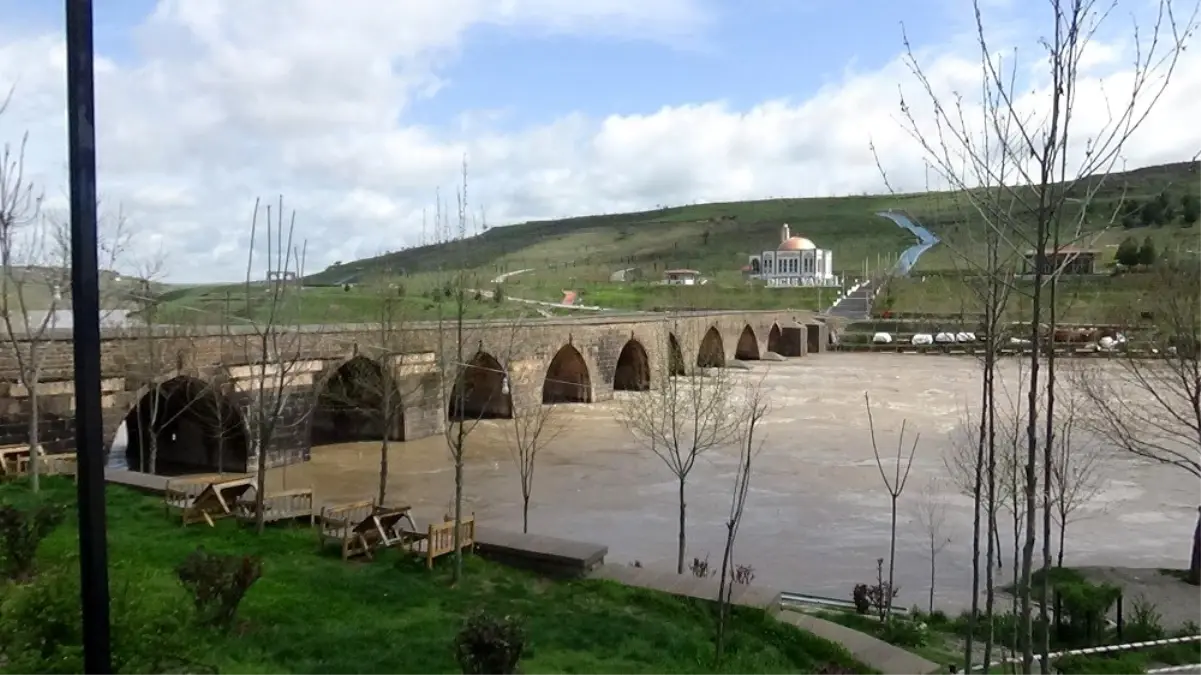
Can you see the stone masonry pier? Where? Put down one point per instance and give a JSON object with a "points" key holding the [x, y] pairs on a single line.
{"points": [[194, 394]]}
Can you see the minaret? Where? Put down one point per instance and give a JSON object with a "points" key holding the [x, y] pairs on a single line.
{"points": [[784, 234]]}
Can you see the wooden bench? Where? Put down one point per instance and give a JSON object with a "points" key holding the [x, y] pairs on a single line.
{"points": [[15, 460], [337, 524], [440, 539], [283, 505]]}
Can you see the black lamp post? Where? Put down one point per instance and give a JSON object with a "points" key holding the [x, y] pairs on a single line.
{"points": [[85, 309]]}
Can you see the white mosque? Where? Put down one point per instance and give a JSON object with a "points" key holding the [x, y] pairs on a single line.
{"points": [[796, 262]]}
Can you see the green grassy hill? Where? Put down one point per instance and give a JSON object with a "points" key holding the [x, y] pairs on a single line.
{"points": [[717, 238], [581, 254]]}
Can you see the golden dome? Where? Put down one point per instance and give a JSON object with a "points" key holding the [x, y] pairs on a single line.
{"points": [[796, 244]]}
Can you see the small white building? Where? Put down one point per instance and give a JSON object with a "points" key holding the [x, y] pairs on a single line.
{"points": [[681, 277], [796, 262]]}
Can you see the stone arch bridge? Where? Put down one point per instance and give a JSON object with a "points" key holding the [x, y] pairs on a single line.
{"points": [[191, 394]]}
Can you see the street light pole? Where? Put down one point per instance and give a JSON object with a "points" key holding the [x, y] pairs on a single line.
{"points": [[85, 308]]}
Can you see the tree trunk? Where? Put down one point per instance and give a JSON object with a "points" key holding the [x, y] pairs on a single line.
{"points": [[260, 483], [525, 512], [460, 440], [722, 603], [1063, 526], [682, 542], [34, 440], [383, 469], [932, 554], [892, 560], [1194, 568]]}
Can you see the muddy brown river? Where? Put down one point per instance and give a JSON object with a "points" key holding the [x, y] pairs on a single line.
{"points": [[818, 516]]}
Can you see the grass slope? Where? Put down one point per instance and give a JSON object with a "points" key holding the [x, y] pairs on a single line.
{"points": [[716, 238], [316, 613]]}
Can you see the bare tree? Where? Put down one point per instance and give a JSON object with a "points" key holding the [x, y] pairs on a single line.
{"points": [[274, 344], [931, 513], [531, 430], [458, 364], [1049, 174], [369, 392], [30, 262], [35, 275], [895, 487], [681, 420], [1150, 408], [753, 408], [1075, 466]]}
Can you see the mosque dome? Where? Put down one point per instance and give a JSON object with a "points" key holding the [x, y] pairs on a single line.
{"points": [[796, 244]]}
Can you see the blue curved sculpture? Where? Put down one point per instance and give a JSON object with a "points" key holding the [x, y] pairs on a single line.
{"points": [[925, 240]]}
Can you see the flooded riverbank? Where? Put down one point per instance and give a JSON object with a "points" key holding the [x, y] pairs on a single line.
{"points": [[818, 517]]}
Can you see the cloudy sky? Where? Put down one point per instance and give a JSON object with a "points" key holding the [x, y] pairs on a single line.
{"points": [[359, 111]]}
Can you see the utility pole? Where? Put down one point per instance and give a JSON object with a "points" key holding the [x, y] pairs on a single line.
{"points": [[85, 309]]}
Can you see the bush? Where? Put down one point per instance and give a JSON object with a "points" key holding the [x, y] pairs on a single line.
{"points": [[21, 531], [40, 630], [903, 633], [1118, 664], [486, 644], [863, 604], [1086, 607], [1145, 622], [218, 583]]}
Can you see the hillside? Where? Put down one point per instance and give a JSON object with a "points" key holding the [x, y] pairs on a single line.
{"points": [[34, 284], [717, 238]]}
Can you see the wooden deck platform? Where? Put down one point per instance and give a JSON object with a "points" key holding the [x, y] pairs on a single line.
{"points": [[745, 595], [547, 555], [142, 482]]}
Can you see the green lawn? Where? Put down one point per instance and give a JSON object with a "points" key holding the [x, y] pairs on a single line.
{"points": [[719, 294], [329, 304], [315, 613], [1092, 299]]}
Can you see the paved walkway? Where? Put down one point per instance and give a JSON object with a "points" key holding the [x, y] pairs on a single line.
{"points": [[871, 651]]}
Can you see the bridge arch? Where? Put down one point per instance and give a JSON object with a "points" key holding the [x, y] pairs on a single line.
{"points": [[633, 370], [774, 338], [712, 353], [567, 378], [481, 391], [186, 425], [748, 345], [359, 401], [675, 356]]}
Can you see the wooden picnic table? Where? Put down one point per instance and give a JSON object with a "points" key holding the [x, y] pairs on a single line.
{"points": [[217, 500], [382, 526]]}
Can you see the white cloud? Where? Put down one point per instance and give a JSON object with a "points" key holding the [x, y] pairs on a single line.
{"points": [[231, 99]]}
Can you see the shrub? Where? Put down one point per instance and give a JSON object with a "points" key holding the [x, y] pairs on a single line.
{"points": [[744, 574], [498, 294], [1086, 606], [218, 583], [863, 604], [40, 631], [1100, 665], [834, 669], [21, 531], [486, 644], [903, 633], [700, 568], [1145, 622]]}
